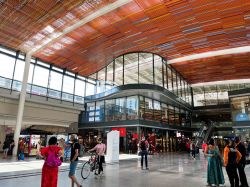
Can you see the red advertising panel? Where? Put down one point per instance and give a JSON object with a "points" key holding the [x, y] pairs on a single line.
{"points": [[121, 130]]}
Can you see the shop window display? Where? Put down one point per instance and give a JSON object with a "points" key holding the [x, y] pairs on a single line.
{"points": [[240, 108], [149, 110], [133, 108]]}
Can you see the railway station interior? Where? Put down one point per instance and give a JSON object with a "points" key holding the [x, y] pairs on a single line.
{"points": [[170, 71]]}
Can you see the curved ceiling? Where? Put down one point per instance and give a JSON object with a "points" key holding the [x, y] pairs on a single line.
{"points": [[170, 28]]}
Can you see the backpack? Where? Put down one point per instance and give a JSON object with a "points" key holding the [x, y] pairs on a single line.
{"points": [[143, 145], [52, 159], [232, 156], [81, 151], [6, 145]]}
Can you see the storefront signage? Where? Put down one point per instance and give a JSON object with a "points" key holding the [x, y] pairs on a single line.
{"points": [[242, 117]]}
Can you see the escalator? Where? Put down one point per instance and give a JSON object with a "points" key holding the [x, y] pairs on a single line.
{"points": [[204, 133]]}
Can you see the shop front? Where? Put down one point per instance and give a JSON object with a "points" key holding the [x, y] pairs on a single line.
{"points": [[160, 140]]}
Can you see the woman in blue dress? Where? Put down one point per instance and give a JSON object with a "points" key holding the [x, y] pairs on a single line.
{"points": [[214, 167]]}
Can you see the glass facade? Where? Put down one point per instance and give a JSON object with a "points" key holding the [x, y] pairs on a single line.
{"points": [[137, 107], [44, 80], [52, 82], [144, 68], [215, 94]]}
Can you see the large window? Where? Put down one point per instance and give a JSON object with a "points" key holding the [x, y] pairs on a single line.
{"points": [[170, 78], [164, 111], [68, 88], [132, 107], [177, 115], [90, 89], [40, 81], [18, 75], [19, 69], [79, 91], [100, 86], [48, 80], [223, 94], [110, 71], [157, 111], [171, 115], [68, 84], [199, 96], [145, 68], [119, 71], [131, 68], [7, 66], [174, 78], [165, 76], [99, 111], [211, 97], [55, 81], [158, 70], [55, 85], [148, 109], [120, 109], [80, 88], [41, 76], [142, 68], [110, 110], [91, 112]]}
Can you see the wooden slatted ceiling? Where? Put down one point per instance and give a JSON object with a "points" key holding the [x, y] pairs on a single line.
{"points": [[172, 29], [226, 67]]}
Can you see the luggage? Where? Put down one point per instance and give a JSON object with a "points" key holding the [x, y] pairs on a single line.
{"points": [[21, 156]]}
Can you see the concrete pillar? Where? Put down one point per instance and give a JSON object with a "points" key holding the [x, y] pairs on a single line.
{"points": [[138, 130], [21, 103]]}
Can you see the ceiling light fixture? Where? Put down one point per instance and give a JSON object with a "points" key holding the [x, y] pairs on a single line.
{"points": [[236, 81], [230, 51]]}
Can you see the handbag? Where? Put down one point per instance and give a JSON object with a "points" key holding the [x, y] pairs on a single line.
{"points": [[53, 160], [139, 153], [20, 156]]}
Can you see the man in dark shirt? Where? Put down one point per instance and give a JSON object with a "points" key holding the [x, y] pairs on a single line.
{"points": [[75, 147], [241, 165]]}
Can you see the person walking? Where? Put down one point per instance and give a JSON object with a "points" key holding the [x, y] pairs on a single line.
{"points": [[130, 147], [61, 144], [242, 163], [188, 147], [214, 167], [143, 146], [75, 147], [51, 156], [100, 149], [204, 146], [6, 148], [231, 157], [21, 147], [192, 149]]}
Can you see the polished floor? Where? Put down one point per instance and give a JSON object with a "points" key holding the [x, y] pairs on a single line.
{"points": [[168, 170]]}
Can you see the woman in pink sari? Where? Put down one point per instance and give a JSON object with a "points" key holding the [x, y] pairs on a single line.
{"points": [[50, 173]]}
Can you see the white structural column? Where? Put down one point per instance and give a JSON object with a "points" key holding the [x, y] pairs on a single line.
{"points": [[21, 102]]}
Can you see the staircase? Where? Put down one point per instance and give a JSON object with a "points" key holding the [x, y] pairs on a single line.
{"points": [[204, 133]]}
